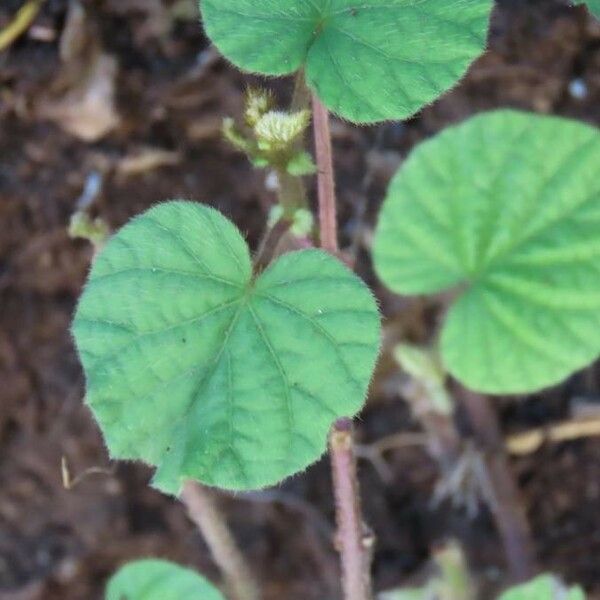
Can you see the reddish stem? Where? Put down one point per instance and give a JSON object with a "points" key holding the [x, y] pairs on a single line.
{"points": [[353, 541], [325, 180]]}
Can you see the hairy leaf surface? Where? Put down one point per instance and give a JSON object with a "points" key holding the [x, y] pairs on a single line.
{"points": [[198, 367], [368, 60], [153, 579], [505, 209]]}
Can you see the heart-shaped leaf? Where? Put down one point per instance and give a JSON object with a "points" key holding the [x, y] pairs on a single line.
{"points": [[153, 579], [198, 367], [543, 587], [367, 61], [506, 209], [593, 5]]}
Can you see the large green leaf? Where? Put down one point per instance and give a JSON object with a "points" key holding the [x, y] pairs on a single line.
{"points": [[505, 209], [153, 579], [197, 367], [593, 5], [367, 60], [544, 587]]}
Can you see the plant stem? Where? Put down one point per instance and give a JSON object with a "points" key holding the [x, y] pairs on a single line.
{"points": [[292, 193], [204, 512], [505, 501], [301, 95], [325, 180], [354, 543], [269, 244]]}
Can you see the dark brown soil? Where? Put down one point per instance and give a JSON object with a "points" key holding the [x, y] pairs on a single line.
{"points": [[62, 545]]}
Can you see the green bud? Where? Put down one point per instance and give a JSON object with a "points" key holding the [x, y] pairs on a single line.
{"points": [[278, 130]]}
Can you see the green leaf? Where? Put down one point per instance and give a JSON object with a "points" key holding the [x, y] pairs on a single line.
{"points": [[505, 209], [406, 594], [593, 5], [544, 587], [367, 61], [301, 164], [198, 367], [153, 579]]}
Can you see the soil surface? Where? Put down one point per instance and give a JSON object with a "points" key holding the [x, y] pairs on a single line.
{"points": [[154, 135]]}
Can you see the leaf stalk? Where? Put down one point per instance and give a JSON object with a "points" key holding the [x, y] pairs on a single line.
{"points": [[206, 515], [505, 500]]}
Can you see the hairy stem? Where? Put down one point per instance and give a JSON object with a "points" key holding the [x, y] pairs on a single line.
{"points": [[325, 180], [505, 501], [353, 541], [204, 512]]}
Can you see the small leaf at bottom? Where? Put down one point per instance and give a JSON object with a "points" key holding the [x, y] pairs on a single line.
{"points": [[154, 579]]}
